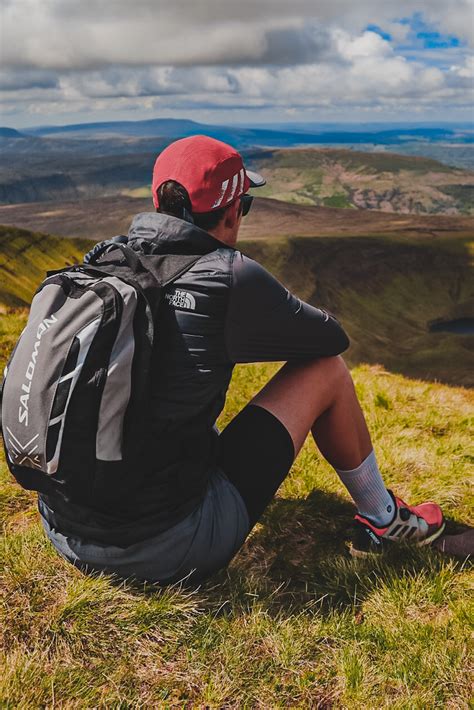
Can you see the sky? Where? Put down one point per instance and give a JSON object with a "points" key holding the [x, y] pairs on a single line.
{"points": [[223, 61]]}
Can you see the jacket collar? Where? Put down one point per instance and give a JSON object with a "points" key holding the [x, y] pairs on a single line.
{"points": [[157, 233]]}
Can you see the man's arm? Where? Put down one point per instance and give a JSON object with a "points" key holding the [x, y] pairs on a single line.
{"points": [[267, 323]]}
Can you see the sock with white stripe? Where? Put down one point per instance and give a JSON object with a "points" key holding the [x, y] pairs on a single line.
{"points": [[368, 491]]}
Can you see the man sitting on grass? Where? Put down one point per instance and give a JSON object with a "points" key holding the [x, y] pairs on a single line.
{"points": [[207, 491]]}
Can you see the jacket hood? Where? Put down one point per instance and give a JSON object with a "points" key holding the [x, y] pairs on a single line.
{"points": [[157, 233]]}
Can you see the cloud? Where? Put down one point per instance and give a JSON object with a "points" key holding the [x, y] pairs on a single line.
{"points": [[43, 35], [362, 69], [17, 80], [156, 81], [465, 71], [64, 55], [66, 34], [372, 73]]}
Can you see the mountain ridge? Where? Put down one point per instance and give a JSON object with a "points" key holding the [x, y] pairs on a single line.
{"points": [[174, 128], [6, 132], [328, 177]]}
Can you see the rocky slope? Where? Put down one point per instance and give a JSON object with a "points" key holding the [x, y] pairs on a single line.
{"points": [[372, 181]]}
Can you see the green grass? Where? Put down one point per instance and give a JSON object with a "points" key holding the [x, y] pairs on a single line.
{"points": [[294, 621], [353, 159], [340, 201], [26, 256]]}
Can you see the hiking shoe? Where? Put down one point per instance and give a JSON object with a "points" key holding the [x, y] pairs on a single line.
{"points": [[419, 525]]}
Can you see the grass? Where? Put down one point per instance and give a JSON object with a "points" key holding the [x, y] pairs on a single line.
{"points": [[26, 256], [384, 290], [294, 621]]}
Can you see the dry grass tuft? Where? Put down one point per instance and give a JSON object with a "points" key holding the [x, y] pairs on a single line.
{"points": [[293, 622]]}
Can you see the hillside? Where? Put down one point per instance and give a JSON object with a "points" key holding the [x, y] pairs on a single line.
{"points": [[372, 181], [9, 133], [269, 219], [25, 257], [386, 291], [68, 174], [294, 621], [37, 169]]}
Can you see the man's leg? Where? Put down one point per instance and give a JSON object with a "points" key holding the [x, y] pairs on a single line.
{"points": [[319, 396], [259, 445]]}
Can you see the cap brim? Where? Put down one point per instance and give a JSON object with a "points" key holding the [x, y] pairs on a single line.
{"points": [[256, 180]]}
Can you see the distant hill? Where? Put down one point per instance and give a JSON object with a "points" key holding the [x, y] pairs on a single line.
{"points": [[267, 135], [156, 127], [376, 181], [452, 144], [10, 133], [72, 175], [313, 176], [172, 129]]}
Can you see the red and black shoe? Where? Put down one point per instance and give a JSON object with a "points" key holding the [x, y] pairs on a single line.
{"points": [[418, 525]]}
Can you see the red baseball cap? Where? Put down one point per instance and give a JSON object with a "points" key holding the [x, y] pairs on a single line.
{"points": [[212, 172]]}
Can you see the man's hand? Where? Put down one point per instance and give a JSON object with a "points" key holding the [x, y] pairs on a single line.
{"points": [[121, 239]]}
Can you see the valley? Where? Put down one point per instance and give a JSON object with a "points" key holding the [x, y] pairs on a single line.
{"points": [[100, 218], [92, 161], [383, 240], [397, 270], [385, 290]]}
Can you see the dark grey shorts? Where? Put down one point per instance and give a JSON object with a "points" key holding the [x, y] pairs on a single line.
{"points": [[193, 549], [255, 455]]}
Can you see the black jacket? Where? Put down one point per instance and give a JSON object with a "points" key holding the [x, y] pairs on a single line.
{"points": [[226, 309]]}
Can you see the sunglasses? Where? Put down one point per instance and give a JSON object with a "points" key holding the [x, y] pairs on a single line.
{"points": [[245, 204]]}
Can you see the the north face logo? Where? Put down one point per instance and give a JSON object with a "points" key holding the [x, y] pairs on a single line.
{"points": [[181, 299]]}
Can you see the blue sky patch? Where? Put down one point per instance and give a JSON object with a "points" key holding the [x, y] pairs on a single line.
{"points": [[378, 30], [424, 34]]}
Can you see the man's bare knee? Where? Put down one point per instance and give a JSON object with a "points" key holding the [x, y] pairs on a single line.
{"points": [[332, 368], [338, 372], [301, 391], [319, 377]]}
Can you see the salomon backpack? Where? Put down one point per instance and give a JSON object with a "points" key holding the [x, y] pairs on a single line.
{"points": [[77, 387]]}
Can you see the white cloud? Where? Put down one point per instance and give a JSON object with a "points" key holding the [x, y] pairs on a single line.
{"points": [[466, 70], [64, 55], [368, 45], [365, 70], [66, 34]]}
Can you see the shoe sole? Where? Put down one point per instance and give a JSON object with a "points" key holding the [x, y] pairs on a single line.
{"points": [[427, 541]]}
